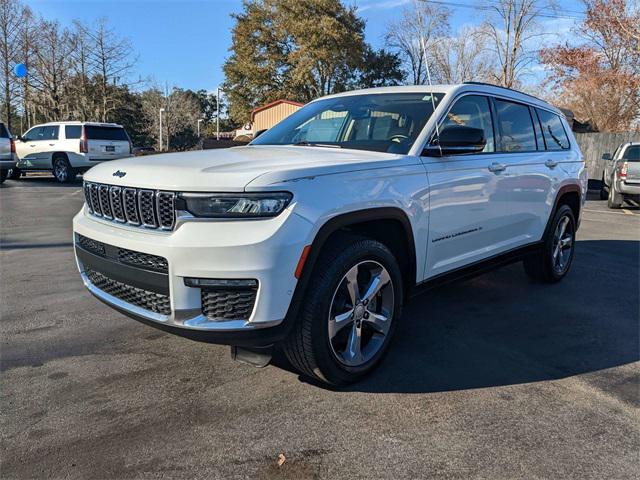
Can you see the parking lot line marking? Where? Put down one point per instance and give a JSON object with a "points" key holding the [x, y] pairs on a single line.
{"points": [[627, 212]]}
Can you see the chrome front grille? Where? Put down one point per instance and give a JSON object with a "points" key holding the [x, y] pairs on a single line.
{"points": [[153, 209]]}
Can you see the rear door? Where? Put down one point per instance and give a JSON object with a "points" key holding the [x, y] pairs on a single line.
{"points": [[106, 143], [467, 200], [631, 155], [47, 144]]}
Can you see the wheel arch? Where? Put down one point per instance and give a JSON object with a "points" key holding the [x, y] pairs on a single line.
{"points": [[571, 195], [361, 222], [55, 155]]}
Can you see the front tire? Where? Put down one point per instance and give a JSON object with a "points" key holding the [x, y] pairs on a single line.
{"points": [[62, 170], [349, 314], [3, 175], [552, 263]]}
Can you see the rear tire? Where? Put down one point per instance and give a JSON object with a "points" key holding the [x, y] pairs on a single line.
{"points": [[342, 333], [604, 191], [3, 175], [62, 170], [552, 263], [14, 173], [615, 199]]}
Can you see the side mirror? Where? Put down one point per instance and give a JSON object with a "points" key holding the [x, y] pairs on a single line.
{"points": [[456, 140], [19, 138], [259, 132], [607, 157]]}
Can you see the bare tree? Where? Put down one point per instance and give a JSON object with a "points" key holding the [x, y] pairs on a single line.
{"points": [[510, 29], [462, 58], [12, 14], [110, 59], [50, 70], [422, 20]]}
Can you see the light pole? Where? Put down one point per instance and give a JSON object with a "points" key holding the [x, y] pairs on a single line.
{"points": [[199, 121], [161, 110], [218, 114]]}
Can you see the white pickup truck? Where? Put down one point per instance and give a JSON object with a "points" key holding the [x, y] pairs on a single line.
{"points": [[312, 237]]}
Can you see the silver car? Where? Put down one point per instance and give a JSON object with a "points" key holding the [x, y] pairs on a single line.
{"points": [[7, 152], [621, 175]]}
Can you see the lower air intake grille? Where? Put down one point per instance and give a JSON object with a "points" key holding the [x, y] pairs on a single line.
{"points": [[228, 304], [154, 302], [143, 260]]}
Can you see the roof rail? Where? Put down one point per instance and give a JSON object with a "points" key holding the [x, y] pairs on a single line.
{"points": [[505, 88]]}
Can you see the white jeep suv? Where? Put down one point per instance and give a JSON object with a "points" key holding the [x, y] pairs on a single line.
{"points": [[312, 237], [69, 148]]}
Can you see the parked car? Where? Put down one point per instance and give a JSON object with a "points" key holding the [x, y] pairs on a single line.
{"points": [[312, 237], [69, 148], [7, 152], [621, 175]]}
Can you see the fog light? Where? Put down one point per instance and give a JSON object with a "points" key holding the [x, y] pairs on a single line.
{"points": [[220, 283]]}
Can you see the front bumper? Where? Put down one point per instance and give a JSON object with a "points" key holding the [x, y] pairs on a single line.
{"points": [[264, 250]]}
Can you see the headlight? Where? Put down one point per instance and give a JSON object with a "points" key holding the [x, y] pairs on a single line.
{"points": [[234, 205]]}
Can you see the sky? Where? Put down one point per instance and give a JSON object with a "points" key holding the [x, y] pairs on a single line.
{"points": [[185, 42]]}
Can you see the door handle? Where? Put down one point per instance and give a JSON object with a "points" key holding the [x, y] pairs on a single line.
{"points": [[497, 167], [32, 145], [551, 163], [51, 144]]}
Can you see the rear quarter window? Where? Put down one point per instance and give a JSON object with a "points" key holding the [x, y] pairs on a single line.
{"points": [[632, 154], [555, 137], [72, 131], [105, 133], [4, 133]]}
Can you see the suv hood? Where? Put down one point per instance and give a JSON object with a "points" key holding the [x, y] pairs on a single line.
{"points": [[233, 169]]}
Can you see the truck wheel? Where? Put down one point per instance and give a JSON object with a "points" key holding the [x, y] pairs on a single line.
{"points": [[615, 199], [14, 173], [552, 262], [604, 194], [349, 313], [3, 175], [62, 170]]}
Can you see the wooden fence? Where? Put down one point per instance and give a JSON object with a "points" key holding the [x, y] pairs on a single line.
{"points": [[593, 145]]}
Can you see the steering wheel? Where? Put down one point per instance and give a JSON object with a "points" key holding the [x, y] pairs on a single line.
{"points": [[398, 138]]}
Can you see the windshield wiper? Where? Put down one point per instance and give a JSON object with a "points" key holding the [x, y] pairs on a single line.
{"points": [[313, 144]]}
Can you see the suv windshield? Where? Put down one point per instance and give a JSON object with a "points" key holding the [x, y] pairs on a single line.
{"points": [[94, 132], [388, 122]]}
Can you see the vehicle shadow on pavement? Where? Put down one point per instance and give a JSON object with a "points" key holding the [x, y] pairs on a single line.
{"points": [[42, 181], [502, 329]]}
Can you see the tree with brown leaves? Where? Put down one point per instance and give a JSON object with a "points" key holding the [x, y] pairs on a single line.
{"points": [[599, 79]]}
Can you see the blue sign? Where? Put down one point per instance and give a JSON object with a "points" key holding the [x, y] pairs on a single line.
{"points": [[20, 70]]}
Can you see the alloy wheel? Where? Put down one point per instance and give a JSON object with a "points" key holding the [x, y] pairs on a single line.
{"points": [[361, 313], [60, 170], [562, 245]]}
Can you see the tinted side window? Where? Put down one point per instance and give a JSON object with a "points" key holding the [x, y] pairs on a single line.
{"points": [[632, 153], [50, 133], [72, 131], [4, 133], [515, 127], [555, 136], [473, 111], [34, 134]]}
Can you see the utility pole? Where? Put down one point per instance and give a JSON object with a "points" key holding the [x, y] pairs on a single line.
{"points": [[161, 110]]}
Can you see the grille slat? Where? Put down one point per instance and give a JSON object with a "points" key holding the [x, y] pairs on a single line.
{"points": [[139, 207], [115, 194], [152, 301], [105, 202], [228, 304], [146, 261]]}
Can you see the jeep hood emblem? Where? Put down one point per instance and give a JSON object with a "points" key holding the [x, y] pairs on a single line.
{"points": [[119, 174]]}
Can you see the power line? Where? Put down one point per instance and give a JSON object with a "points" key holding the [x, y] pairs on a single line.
{"points": [[488, 8]]}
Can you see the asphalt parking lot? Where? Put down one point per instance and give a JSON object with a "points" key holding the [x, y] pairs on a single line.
{"points": [[494, 377]]}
